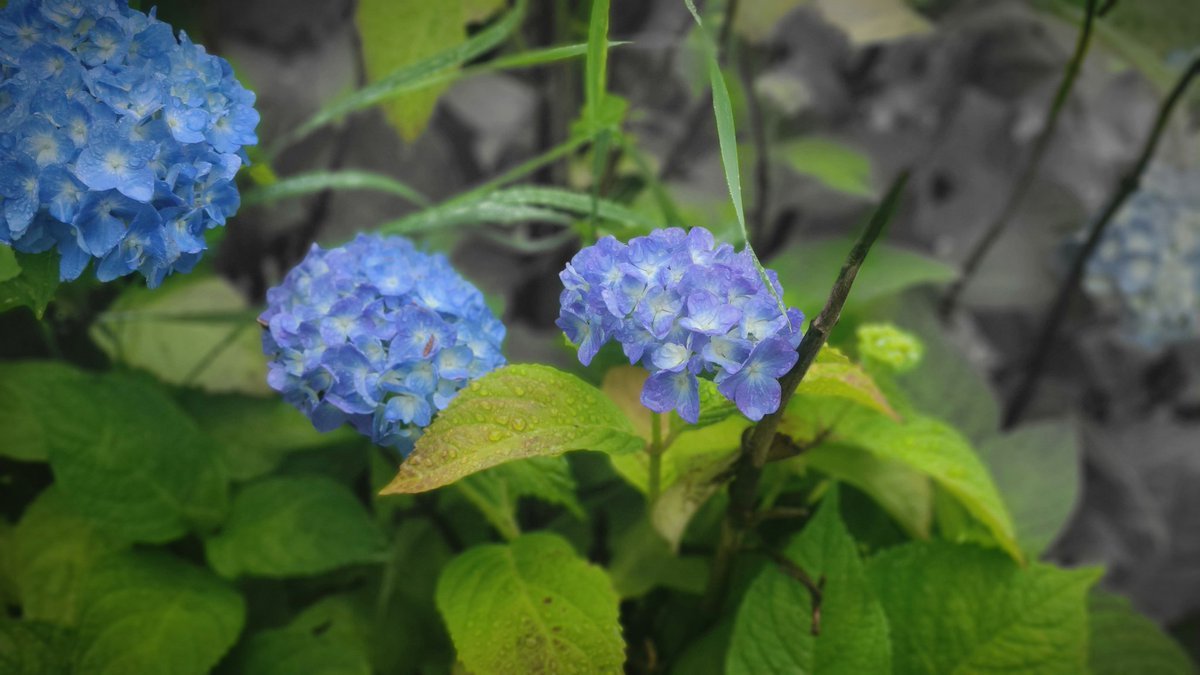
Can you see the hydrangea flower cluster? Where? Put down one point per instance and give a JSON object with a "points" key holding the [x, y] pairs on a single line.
{"points": [[682, 305], [1148, 264], [377, 334], [118, 142]]}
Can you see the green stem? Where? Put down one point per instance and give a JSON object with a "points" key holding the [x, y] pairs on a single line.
{"points": [[993, 231], [1053, 319], [654, 481], [757, 444]]}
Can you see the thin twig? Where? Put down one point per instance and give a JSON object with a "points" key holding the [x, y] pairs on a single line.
{"points": [[1125, 187], [757, 444], [1029, 172]]}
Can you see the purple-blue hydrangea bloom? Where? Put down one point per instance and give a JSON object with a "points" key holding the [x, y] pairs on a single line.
{"points": [[377, 334], [1147, 266], [682, 305], [118, 142]]}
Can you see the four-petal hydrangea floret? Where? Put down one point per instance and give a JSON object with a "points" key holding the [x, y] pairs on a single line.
{"points": [[682, 305], [118, 142], [377, 334], [1148, 263]]}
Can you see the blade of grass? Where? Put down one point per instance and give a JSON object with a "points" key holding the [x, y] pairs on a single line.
{"points": [[523, 169], [727, 138], [307, 183], [402, 79], [595, 82]]}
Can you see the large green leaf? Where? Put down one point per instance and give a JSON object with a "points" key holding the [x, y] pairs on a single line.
{"points": [[294, 526], [530, 606], [400, 33], [832, 374], [1037, 469], [34, 285], [923, 444], [193, 330], [328, 638], [150, 613], [255, 434], [964, 609], [778, 630], [54, 551], [23, 388], [34, 648], [497, 491], [1123, 641], [122, 453], [515, 412]]}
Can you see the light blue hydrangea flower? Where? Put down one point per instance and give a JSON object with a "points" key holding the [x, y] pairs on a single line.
{"points": [[377, 334], [682, 305], [118, 142], [1148, 264]]}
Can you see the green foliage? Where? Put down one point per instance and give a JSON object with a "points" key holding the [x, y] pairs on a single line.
{"points": [[34, 648], [54, 550], [904, 492], [885, 344], [833, 375], [496, 491], [920, 443], [643, 560], [28, 280], [22, 386], [122, 453], [778, 629], [512, 413], [965, 609], [530, 606], [293, 526], [400, 33], [151, 613], [1122, 641], [831, 163], [319, 181], [194, 330]]}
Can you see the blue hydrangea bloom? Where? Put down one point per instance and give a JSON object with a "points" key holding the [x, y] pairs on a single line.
{"points": [[682, 305], [1147, 267], [118, 142], [377, 334]]}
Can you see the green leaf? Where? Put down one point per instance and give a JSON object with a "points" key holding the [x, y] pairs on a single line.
{"points": [[870, 21], [289, 651], [830, 162], [34, 648], [34, 286], [923, 444], [194, 330], [530, 606], [905, 493], [833, 375], [399, 33], [294, 526], [702, 465], [255, 434], [122, 453], [777, 629], [806, 268], [413, 76], [1123, 641], [150, 613], [1037, 469], [962, 609], [515, 412], [643, 560], [623, 385], [756, 19], [9, 267], [22, 386], [596, 69], [319, 181], [496, 491], [54, 551]]}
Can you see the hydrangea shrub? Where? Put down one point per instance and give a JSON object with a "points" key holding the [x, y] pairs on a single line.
{"points": [[378, 334], [1148, 264], [119, 142], [682, 306]]}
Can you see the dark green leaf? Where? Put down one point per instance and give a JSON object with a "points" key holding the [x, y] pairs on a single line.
{"points": [[905, 493], [294, 526], [150, 613], [512, 413], [496, 491], [34, 648], [777, 628], [530, 606], [1123, 641], [643, 560], [34, 286], [960, 608]]}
